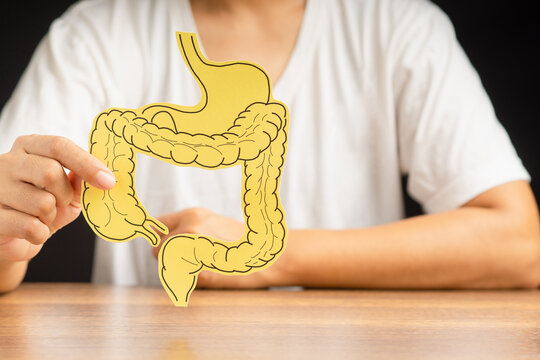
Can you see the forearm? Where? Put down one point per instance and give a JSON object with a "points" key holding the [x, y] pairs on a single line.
{"points": [[11, 274], [467, 248]]}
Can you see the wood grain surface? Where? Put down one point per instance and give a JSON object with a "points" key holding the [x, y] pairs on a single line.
{"points": [[84, 321]]}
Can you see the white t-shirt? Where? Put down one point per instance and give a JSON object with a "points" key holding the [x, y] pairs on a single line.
{"points": [[376, 89]]}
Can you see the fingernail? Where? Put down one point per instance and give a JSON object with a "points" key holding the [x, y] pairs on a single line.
{"points": [[105, 179]]}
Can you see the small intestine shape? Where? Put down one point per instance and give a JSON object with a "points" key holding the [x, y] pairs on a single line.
{"points": [[237, 122]]}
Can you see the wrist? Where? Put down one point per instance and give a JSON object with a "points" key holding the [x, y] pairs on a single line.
{"points": [[285, 270]]}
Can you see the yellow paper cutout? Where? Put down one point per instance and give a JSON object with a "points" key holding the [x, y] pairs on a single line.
{"points": [[236, 122]]}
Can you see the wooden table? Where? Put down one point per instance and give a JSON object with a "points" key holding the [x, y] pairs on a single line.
{"points": [[83, 321]]}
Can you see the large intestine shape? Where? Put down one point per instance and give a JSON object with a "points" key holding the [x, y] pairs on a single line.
{"points": [[237, 122]]}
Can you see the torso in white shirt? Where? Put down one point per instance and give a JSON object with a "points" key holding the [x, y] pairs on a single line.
{"points": [[350, 137]]}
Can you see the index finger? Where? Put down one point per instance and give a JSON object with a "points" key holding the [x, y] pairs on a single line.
{"points": [[70, 156]]}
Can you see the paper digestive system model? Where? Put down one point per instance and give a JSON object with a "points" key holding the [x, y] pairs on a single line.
{"points": [[237, 122]]}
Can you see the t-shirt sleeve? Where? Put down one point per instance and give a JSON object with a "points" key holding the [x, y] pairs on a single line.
{"points": [[59, 93], [451, 144]]}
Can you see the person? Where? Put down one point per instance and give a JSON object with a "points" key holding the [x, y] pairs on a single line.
{"points": [[376, 89]]}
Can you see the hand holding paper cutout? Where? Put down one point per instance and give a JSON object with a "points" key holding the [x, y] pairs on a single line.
{"points": [[236, 122]]}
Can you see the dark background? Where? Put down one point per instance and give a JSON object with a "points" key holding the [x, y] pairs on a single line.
{"points": [[502, 39]]}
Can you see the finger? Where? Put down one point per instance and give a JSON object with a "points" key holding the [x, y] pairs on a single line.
{"points": [[174, 222], [187, 220], [155, 250], [16, 249], [71, 156], [16, 224], [171, 220], [76, 185], [163, 238], [64, 216], [204, 279], [211, 280], [46, 174], [30, 200]]}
